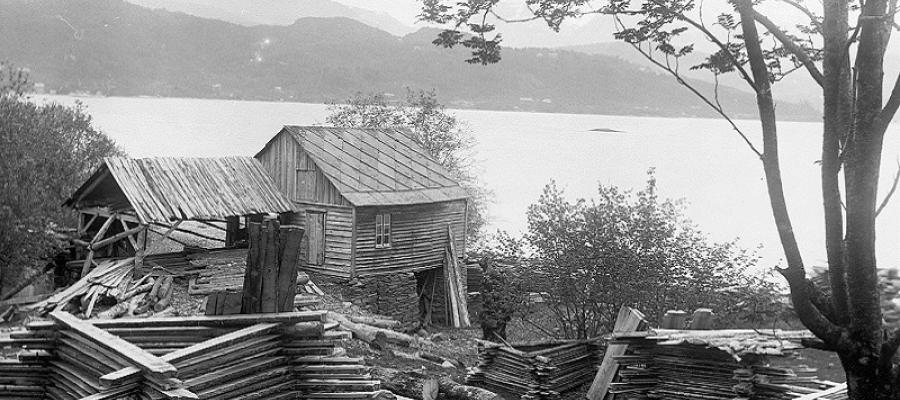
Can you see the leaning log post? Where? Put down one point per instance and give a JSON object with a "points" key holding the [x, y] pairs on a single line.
{"points": [[270, 280]]}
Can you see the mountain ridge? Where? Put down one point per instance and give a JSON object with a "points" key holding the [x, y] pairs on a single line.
{"points": [[118, 48]]}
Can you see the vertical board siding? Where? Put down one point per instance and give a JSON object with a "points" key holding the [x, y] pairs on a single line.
{"points": [[296, 174], [418, 237], [338, 234]]}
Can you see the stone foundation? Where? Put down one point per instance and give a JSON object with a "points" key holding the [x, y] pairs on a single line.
{"points": [[390, 295]]}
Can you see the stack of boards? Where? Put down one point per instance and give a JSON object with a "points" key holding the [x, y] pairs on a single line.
{"points": [[259, 356], [538, 370], [655, 369]]}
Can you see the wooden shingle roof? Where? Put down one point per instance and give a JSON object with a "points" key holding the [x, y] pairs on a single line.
{"points": [[372, 167], [168, 189]]}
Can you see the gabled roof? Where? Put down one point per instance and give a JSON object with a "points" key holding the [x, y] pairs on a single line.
{"points": [[168, 189], [372, 167]]}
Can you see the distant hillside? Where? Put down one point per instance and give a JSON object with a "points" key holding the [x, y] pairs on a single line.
{"points": [[277, 12], [794, 87], [117, 48]]}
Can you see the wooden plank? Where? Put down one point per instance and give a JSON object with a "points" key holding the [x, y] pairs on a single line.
{"points": [[290, 238], [121, 375], [211, 303], [232, 302], [817, 395], [628, 320], [269, 268], [212, 321], [252, 279], [140, 358], [115, 238]]}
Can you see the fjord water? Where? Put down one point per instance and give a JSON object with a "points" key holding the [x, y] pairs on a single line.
{"points": [[701, 160]]}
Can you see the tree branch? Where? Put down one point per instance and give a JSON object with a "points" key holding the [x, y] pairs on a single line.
{"points": [[702, 97], [791, 46], [887, 198], [513, 20], [723, 47], [812, 17]]}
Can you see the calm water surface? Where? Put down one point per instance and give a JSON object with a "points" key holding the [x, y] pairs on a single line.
{"points": [[701, 160]]}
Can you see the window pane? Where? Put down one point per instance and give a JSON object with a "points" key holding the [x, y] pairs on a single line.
{"points": [[387, 230], [378, 231]]}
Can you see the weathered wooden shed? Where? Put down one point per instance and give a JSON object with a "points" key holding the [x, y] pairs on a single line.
{"points": [[374, 203], [148, 193]]}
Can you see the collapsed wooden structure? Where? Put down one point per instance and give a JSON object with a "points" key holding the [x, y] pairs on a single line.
{"points": [[536, 370], [380, 210], [126, 199], [257, 356]]}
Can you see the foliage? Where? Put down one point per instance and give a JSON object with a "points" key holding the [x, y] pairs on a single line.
{"points": [[445, 137], [505, 282], [46, 151], [635, 249]]}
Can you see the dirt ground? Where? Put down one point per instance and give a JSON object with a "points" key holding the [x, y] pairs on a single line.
{"points": [[457, 345]]}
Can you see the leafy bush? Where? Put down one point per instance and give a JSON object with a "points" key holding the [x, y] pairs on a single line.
{"points": [[634, 249], [46, 151]]}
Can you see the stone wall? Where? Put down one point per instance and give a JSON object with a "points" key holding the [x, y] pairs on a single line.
{"points": [[390, 295]]}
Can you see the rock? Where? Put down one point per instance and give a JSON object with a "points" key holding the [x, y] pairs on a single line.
{"points": [[448, 365]]}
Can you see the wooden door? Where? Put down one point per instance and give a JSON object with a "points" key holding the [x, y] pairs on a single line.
{"points": [[315, 228]]}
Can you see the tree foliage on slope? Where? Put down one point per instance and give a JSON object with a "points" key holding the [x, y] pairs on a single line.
{"points": [[446, 138], [635, 249], [46, 151], [841, 45]]}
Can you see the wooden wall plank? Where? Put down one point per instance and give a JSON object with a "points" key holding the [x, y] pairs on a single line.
{"points": [[418, 237]]}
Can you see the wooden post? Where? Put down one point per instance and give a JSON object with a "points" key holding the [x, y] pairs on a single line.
{"points": [[455, 287], [232, 225], [290, 237], [674, 319], [90, 257], [252, 282], [270, 280], [628, 320], [702, 319]]}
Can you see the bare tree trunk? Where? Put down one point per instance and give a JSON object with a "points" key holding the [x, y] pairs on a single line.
{"points": [[851, 322]]}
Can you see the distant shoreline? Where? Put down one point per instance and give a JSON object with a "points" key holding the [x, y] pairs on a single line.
{"points": [[737, 117]]}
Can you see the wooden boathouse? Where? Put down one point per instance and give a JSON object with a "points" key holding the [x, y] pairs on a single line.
{"points": [[377, 208]]}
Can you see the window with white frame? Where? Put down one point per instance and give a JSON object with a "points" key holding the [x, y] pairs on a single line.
{"points": [[382, 231]]}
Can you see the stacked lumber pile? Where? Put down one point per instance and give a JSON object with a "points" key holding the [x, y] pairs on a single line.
{"points": [[536, 370], [259, 356], [25, 377], [889, 282], [708, 365], [223, 271], [175, 263], [218, 271]]}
